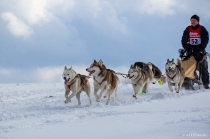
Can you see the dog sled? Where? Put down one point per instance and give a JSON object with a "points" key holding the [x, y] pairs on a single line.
{"points": [[192, 68]]}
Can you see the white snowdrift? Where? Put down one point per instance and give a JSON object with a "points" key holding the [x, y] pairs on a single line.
{"points": [[38, 111]]}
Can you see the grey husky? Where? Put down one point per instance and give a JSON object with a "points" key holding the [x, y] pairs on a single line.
{"points": [[140, 78], [76, 83], [175, 73], [156, 71], [105, 80]]}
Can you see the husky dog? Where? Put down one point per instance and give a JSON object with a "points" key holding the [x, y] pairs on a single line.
{"points": [[140, 78], [104, 79], [156, 71], [175, 73], [77, 83]]}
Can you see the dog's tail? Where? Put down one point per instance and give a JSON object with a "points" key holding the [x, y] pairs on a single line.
{"points": [[179, 61], [150, 65]]}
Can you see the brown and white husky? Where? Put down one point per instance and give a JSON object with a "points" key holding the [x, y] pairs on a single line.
{"points": [[104, 79]]}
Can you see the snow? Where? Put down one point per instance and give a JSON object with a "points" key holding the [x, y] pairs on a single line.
{"points": [[37, 111]]}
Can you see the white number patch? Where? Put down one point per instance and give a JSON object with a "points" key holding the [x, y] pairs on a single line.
{"points": [[195, 41]]}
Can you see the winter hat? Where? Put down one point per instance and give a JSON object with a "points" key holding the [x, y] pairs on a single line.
{"points": [[195, 17]]}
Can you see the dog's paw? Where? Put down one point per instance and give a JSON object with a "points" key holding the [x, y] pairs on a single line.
{"points": [[67, 101], [134, 96], [79, 104]]}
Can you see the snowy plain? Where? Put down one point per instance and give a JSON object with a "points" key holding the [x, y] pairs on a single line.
{"points": [[37, 111]]}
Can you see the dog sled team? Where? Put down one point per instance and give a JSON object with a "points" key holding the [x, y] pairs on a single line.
{"points": [[191, 67]]}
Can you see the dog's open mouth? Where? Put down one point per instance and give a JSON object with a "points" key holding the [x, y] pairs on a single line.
{"points": [[66, 81], [130, 77], [170, 70], [91, 72]]}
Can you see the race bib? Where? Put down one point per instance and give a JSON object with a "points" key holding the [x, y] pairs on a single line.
{"points": [[195, 41]]}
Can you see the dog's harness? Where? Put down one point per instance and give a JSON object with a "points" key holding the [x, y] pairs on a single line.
{"points": [[97, 81], [73, 81], [138, 79], [172, 78]]}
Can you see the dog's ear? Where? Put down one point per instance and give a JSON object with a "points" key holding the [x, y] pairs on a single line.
{"points": [[65, 68], [94, 61], [173, 60], [131, 66], [100, 62], [167, 60], [70, 68]]}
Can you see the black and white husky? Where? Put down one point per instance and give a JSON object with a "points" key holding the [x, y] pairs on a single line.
{"points": [[140, 78], [158, 77], [175, 73]]}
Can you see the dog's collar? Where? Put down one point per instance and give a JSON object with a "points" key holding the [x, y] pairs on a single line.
{"points": [[71, 82]]}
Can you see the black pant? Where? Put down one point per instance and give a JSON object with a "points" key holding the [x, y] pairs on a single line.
{"points": [[204, 71]]}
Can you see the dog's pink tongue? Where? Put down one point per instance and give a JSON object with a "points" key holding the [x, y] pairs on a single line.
{"points": [[66, 81], [90, 73]]}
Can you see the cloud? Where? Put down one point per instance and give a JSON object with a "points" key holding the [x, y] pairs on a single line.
{"points": [[48, 74], [6, 72], [37, 11], [101, 15], [16, 26], [106, 16], [160, 7]]}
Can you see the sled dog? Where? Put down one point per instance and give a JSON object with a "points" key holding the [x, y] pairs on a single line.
{"points": [[174, 73], [140, 78], [104, 79], [76, 83], [156, 71]]}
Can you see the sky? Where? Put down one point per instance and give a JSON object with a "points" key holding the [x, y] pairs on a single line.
{"points": [[39, 37]]}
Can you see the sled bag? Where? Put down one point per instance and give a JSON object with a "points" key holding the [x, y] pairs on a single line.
{"points": [[189, 67]]}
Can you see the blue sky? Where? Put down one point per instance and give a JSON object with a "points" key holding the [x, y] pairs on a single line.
{"points": [[40, 37]]}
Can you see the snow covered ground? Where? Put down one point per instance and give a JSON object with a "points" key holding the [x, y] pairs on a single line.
{"points": [[37, 111]]}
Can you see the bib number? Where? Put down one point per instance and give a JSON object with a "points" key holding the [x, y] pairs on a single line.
{"points": [[195, 41]]}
